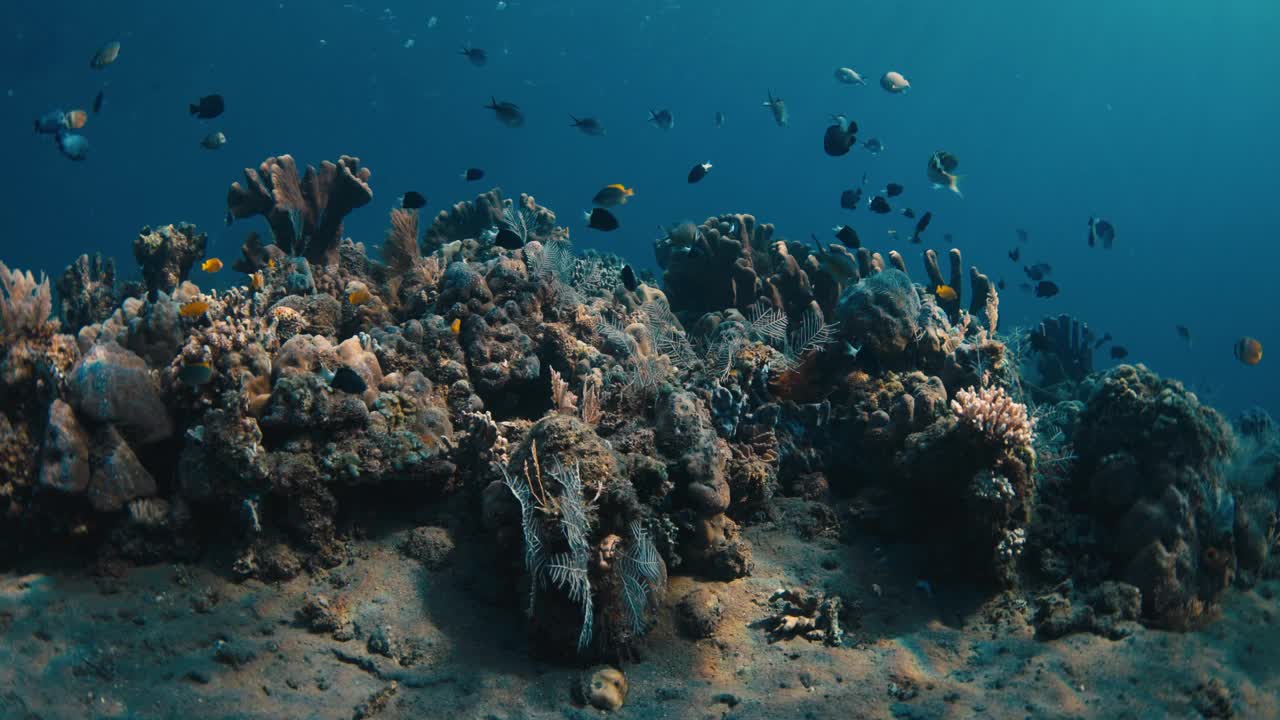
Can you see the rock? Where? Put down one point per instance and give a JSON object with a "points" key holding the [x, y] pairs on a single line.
{"points": [[699, 613], [431, 546], [118, 475], [112, 385], [64, 457], [606, 688]]}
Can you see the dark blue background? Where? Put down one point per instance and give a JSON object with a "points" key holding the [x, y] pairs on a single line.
{"points": [[1160, 115]]}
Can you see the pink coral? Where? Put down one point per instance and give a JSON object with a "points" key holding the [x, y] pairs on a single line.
{"points": [[990, 411]]}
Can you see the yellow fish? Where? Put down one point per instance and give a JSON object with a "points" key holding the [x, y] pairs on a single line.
{"points": [[255, 281], [195, 308], [946, 293], [271, 264], [456, 326], [359, 297], [75, 119], [212, 265], [611, 195]]}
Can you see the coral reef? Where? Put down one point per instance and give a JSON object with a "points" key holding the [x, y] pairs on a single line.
{"points": [[166, 254]]}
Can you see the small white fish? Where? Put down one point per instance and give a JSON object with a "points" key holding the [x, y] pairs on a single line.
{"points": [[431, 21], [501, 5], [409, 43]]}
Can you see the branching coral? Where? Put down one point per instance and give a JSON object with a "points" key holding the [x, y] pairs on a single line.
{"points": [[305, 213], [996, 416], [26, 305]]}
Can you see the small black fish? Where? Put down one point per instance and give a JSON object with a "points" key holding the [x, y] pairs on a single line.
{"points": [[1119, 352], [873, 146], [477, 56], [588, 126], [629, 280], [1038, 271], [880, 206], [662, 119], [348, 381], [921, 225], [1184, 332], [908, 213], [97, 102], [413, 200], [850, 199], [508, 113], [602, 220], [848, 237], [1015, 254], [1023, 236], [1106, 338], [893, 189], [1046, 289], [1000, 283], [210, 106], [509, 239], [1101, 231], [699, 171], [840, 137], [473, 174]]}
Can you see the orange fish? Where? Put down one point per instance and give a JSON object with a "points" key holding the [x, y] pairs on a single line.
{"points": [[946, 293], [271, 264], [1248, 351], [212, 265], [359, 297], [456, 326], [195, 308], [255, 281], [75, 119], [106, 55]]}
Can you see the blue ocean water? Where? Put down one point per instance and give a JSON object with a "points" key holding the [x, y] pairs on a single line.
{"points": [[1157, 115]]}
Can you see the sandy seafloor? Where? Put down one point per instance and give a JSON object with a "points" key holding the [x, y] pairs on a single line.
{"points": [[182, 641]]}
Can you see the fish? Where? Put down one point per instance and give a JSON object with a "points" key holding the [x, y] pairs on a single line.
{"points": [[778, 107], [97, 102], [475, 55], [212, 265], [1015, 254], [1248, 351], [588, 126], [1046, 289], [840, 136], [629, 280], [509, 239], [908, 213], [662, 119], [1101, 231], [209, 107], [880, 206], [719, 120], [455, 327], [1000, 283], [213, 140], [508, 113], [192, 309], [73, 145], [893, 189], [894, 82], [359, 296], [413, 200], [941, 171], [1183, 332], [601, 219], [849, 76], [873, 146], [1106, 338], [699, 171], [257, 281], [75, 119], [1038, 271], [105, 55], [848, 237], [1023, 236], [54, 121], [472, 174], [196, 374], [850, 199], [611, 195], [1119, 352], [921, 225], [348, 381], [946, 293]]}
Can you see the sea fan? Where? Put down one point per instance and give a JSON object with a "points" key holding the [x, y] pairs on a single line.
{"points": [[813, 334], [519, 220]]}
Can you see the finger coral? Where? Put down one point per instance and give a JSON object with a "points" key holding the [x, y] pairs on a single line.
{"points": [[1003, 421]]}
